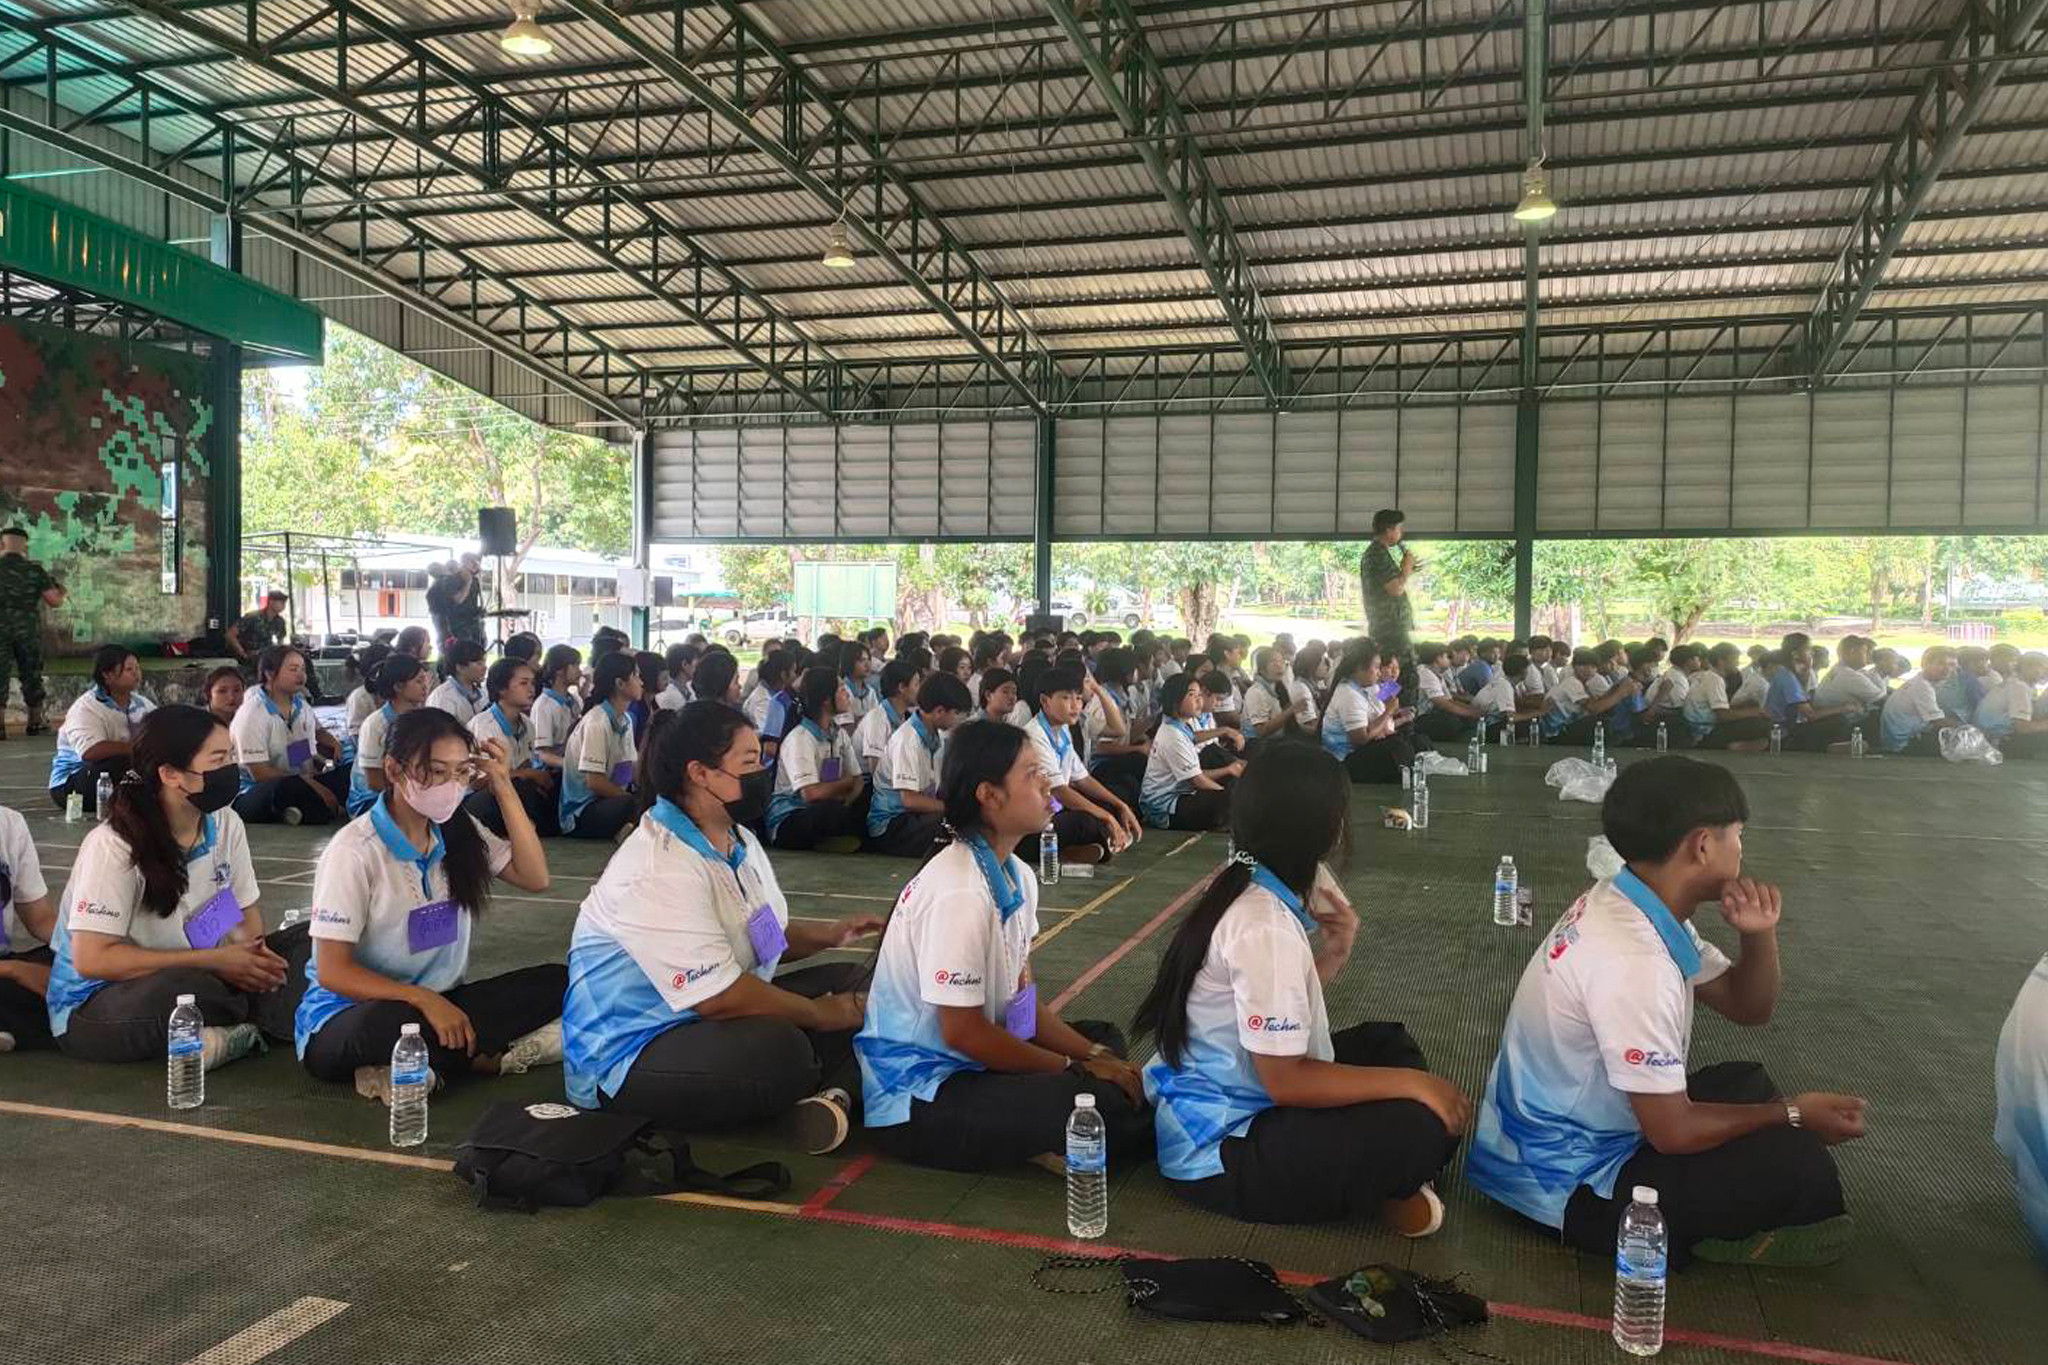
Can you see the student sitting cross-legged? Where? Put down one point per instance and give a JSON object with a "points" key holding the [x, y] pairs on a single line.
{"points": [[99, 729], [291, 769], [898, 697], [397, 896], [1178, 792], [1712, 720], [461, 694], [511, 684], [820, 791], [162, 902], [904, 810], [1357, 727], [1807, 726], [27, 923], [1092, 821], [1263, 1113], [596, 800], [1593, 1093], [2020, 1074], [400, 683], [1913, 718], [2007, 713], [674, 1009], [963, 1066]]}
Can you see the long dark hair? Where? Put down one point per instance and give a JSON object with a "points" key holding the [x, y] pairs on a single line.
{"points": [[702, 732], [714, 675], [817, 687], [272, 659], [1356, 653], [651, 666], [169, 737], [366, 659], [394, 673], [609, 675], [977, 752], [1290, 810], [465, 858], [991, 679], [555, 660]]}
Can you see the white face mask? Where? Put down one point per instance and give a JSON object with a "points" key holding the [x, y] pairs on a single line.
{"points": [[438, 803]]}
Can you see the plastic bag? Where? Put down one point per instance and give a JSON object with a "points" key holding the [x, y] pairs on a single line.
{"points": [[1578, 780], [1434, 764], [1968, 744], [1601, 859]]}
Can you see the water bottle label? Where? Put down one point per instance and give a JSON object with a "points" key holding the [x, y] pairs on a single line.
{"points": [[1643, 1266], [187, 1047], [1087, 1158], [416, 1075]]}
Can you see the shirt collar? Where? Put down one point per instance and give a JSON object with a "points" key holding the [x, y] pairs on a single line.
{"points": [[924, 733], [817, 730], [619, 722], [1677, 941], [505, 722], [1006, 890], [402, 848], [670, 817], [106, 699], [271, 706], [890, 711], [389, 711], [1263, 876], [560, 696], [205, 844], [1056, 735]]}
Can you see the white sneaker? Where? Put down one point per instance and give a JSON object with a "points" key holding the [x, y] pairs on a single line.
{"points": [[374, 1082], [542, 1047], [223, 1045], [819, 1123], [1432, 1220], [6, 1041], [292, 815]]}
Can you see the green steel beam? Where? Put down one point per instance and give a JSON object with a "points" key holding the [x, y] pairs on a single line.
{"points": [[762, 83], [1988, 37], [1128, 76], [1529, 407]]}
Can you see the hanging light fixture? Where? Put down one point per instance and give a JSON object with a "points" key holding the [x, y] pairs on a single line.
{"points": [[523, 37], [1536, 205], [838, 249]]}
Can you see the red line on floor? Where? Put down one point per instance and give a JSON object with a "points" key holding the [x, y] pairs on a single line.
{"points": [[1781, 1350], [1117, 954], [839, 1180]]}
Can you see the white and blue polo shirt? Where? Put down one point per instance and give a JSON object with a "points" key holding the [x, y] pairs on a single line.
{"points": [[1170, 771], [94, 719], [1352, 707], [602, 742], [910, 763], [371, 744], [264, 734], [806, 752], [1603, 1011], [1256, 992], [2022, 1078], [649, 944]]}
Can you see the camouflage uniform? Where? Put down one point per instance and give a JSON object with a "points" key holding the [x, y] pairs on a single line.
{"points": [[257, 631], [22, 585]]}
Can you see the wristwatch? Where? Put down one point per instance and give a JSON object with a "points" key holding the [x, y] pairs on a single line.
{"points": [[1792, 1113]]}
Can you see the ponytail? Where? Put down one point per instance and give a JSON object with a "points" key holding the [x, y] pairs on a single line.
{"points": [[169, 737]]}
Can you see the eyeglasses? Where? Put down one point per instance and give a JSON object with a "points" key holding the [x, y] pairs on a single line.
{"points": [[436, 774]]}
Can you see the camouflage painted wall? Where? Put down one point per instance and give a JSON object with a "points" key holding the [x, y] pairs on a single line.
{"points": [[87, 426]]}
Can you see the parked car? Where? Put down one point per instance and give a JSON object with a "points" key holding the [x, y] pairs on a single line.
{"points": [[756, 627]]}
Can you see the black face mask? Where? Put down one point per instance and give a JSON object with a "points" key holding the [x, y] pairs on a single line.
{"points": [[752, 804], [221, 787]]}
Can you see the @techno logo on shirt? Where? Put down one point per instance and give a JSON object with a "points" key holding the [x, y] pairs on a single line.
{"points": [[552, 1111], [1272, 1023], [688, 975], [946, 978], [1635, 1056]]}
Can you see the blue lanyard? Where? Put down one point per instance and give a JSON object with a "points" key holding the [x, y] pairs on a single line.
{"points": [[924, 733], [1007, 892], [561, 698], [890, 711], [670, 817], [1184, 728], [1262, 876], [1057, 736], [401, 847], [512, 732]]}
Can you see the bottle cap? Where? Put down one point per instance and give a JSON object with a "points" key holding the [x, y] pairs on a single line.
{"points": [[1084, 1100], [413, 1031], [188, 999], [1645, 1195]]}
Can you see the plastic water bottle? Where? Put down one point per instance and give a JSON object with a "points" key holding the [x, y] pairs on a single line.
{"points": [[410, 1082], [185, 1072], [1663, 737], [1777, 739], [74, 808], [1600, 744], [1642, 1251], [1048, 856], [103, 795], [1419, 801], [1087, 1170], [1474, 751], [1535, 734], [1506, 882], [1856, 742]]}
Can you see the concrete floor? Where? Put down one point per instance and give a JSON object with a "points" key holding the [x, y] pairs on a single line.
{"points": [[1912, 916]]}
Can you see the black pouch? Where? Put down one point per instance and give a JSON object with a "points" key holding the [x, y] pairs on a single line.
{"points": [[1385, 1304], [1198, 1289], [525, 1156]]}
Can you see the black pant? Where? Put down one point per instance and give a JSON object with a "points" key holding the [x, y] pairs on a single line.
{"points": [[1814, 736], [266, 802], [1219, 755], [913, 834], [86, 782], [130, 1021], [2025, 744], [1379, 762], [1926, 744], [536, 800], [814, 822], [23, 1012], [1778, 1177], [1074, 828], [986, 1120], [501, 1010], [1201, 810], [712, 1074], [1123, 774], [1735, 732], [1313, 1165], [1438, 723], [604, 817]]}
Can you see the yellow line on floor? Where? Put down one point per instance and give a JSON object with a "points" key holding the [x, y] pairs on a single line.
{"points": [[267, 1336], [284, 1144], [1083, 913]]}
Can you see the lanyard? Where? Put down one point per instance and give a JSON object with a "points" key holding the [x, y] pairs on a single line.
{"points": [[1262, 876], [1057, 736], [401, 847], [1007, 893]]}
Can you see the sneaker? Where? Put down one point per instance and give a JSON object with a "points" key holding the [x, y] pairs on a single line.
{"points": [[374, 1082], [292, 815], [224, 1045], [542, 1047], [6, 1041], [1805, 1246], [819, 1123], [1421, 1214]]}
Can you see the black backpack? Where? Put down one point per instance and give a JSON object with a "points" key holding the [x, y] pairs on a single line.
{"points": [[524, 1156]]}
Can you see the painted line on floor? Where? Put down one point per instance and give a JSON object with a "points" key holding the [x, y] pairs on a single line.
{"points": [[1073, 916], [267, 1336], [1118, 953], [956, 1232]]}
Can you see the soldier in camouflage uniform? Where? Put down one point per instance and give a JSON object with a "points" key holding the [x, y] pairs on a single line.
{"points": [[257, 631], [25, 586]]}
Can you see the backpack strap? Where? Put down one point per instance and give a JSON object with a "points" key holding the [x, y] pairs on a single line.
{"points": [[762, 1180]]}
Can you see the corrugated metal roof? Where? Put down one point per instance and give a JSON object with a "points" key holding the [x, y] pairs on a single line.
{"points": [[1708, 159]]}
